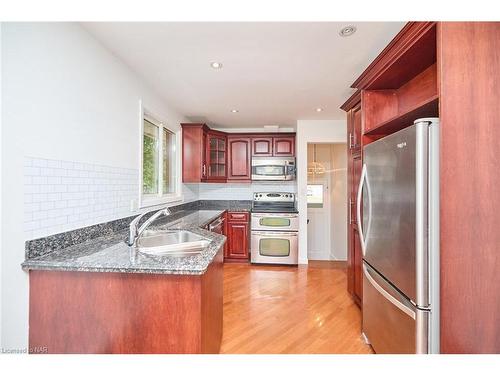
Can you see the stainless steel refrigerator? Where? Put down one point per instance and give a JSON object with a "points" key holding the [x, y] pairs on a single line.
{"points": [[399, 235]]}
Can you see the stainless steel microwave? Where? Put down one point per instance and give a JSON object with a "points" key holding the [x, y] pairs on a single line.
{"points": [[273, 168]]}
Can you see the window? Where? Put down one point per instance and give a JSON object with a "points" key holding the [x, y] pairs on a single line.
{"points": [[159, 163], [315, 196]]}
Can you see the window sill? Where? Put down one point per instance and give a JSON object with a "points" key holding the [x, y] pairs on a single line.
{"points": [[157, 201]]}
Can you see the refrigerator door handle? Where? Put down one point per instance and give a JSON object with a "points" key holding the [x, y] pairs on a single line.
{"points": [[363, 236], [408, 311]]}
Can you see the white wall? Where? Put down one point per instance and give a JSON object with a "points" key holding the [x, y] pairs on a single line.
{"points": [[319, 229], [312, 131], [339, 202], [327, 228], [65, 98]]}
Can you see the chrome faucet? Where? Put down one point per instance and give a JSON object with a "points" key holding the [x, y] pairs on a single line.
{"points": [[135, 233]]}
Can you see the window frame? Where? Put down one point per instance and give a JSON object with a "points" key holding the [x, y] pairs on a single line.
{"points": [[155, 199]]}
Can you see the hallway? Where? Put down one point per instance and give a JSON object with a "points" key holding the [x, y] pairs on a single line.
{"points": [[279, 309]]}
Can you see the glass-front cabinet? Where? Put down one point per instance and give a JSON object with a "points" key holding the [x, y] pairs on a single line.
{"points": [[216, 156]]}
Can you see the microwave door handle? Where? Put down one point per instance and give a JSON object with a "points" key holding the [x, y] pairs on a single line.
{"points": [[358, 210]]}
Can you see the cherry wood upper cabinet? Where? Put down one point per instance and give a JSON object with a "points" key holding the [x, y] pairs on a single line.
{"points": [[239, 158], [216, 156], [284, 146], [262, 146], [194, 146]]}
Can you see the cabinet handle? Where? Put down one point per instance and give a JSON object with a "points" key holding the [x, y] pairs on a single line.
{"points": [[351, 140], [204, 170]]}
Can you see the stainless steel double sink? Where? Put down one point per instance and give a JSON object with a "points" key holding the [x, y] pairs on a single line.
{"points": [[174, 243]]}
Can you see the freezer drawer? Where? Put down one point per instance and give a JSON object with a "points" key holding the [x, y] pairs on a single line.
{"points": [[391, 323]]}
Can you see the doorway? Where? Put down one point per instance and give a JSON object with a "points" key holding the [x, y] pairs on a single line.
{"points": [[327, 201]]}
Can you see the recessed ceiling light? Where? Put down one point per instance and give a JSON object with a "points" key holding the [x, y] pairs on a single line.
{"points": [[347, 31], [234, 111], [319, 109], [216, 65]]}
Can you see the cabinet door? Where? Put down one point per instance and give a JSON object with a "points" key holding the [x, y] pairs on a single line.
{"points": [[356, 119], [262, 146], [204, 167], [357, 264], [193, 153], [284, 146], [354, 255], [225, 233], [239, 159], [238, 240], [356, 175], [216, 157], [354, 129]]}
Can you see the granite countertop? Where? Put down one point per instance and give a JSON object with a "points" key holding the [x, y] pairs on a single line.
{"points": [[111, 254]]}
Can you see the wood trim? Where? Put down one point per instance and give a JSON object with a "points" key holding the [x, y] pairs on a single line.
{"points": [[353, 100], [402, 52], [196, 125], [259, 135]]}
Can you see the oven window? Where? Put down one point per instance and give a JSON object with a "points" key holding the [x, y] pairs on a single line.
{"points": [[274, 247], [269, 170], [274, 222]]}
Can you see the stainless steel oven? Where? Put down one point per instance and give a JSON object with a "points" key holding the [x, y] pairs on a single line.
{"points": [[275, 224], [275, 221], [274, 247], [273, 168]]}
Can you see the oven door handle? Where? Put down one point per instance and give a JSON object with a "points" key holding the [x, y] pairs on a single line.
{"points": [[265, 215], [275, 234]]}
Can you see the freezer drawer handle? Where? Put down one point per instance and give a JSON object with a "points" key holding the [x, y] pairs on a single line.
{"points": [[390, 298]]}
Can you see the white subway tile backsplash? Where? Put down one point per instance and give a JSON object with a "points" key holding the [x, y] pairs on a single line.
{"points": [[31, 171], [240, 191], [63, 195]]}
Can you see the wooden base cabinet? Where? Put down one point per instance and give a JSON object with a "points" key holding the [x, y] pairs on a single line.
{"points": [[238, 231], [126, 313]]}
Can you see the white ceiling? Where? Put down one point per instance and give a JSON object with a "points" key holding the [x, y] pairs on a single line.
{"points": [[273, 73]]}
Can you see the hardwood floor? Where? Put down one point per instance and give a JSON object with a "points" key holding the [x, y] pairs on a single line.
{"points": [[279, 309]]}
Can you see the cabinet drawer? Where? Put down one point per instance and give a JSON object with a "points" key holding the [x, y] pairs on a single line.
{"points": [[238, 216]]}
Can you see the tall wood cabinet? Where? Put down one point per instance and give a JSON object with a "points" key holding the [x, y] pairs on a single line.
{"points": [[447, 70], [354, 164]]}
